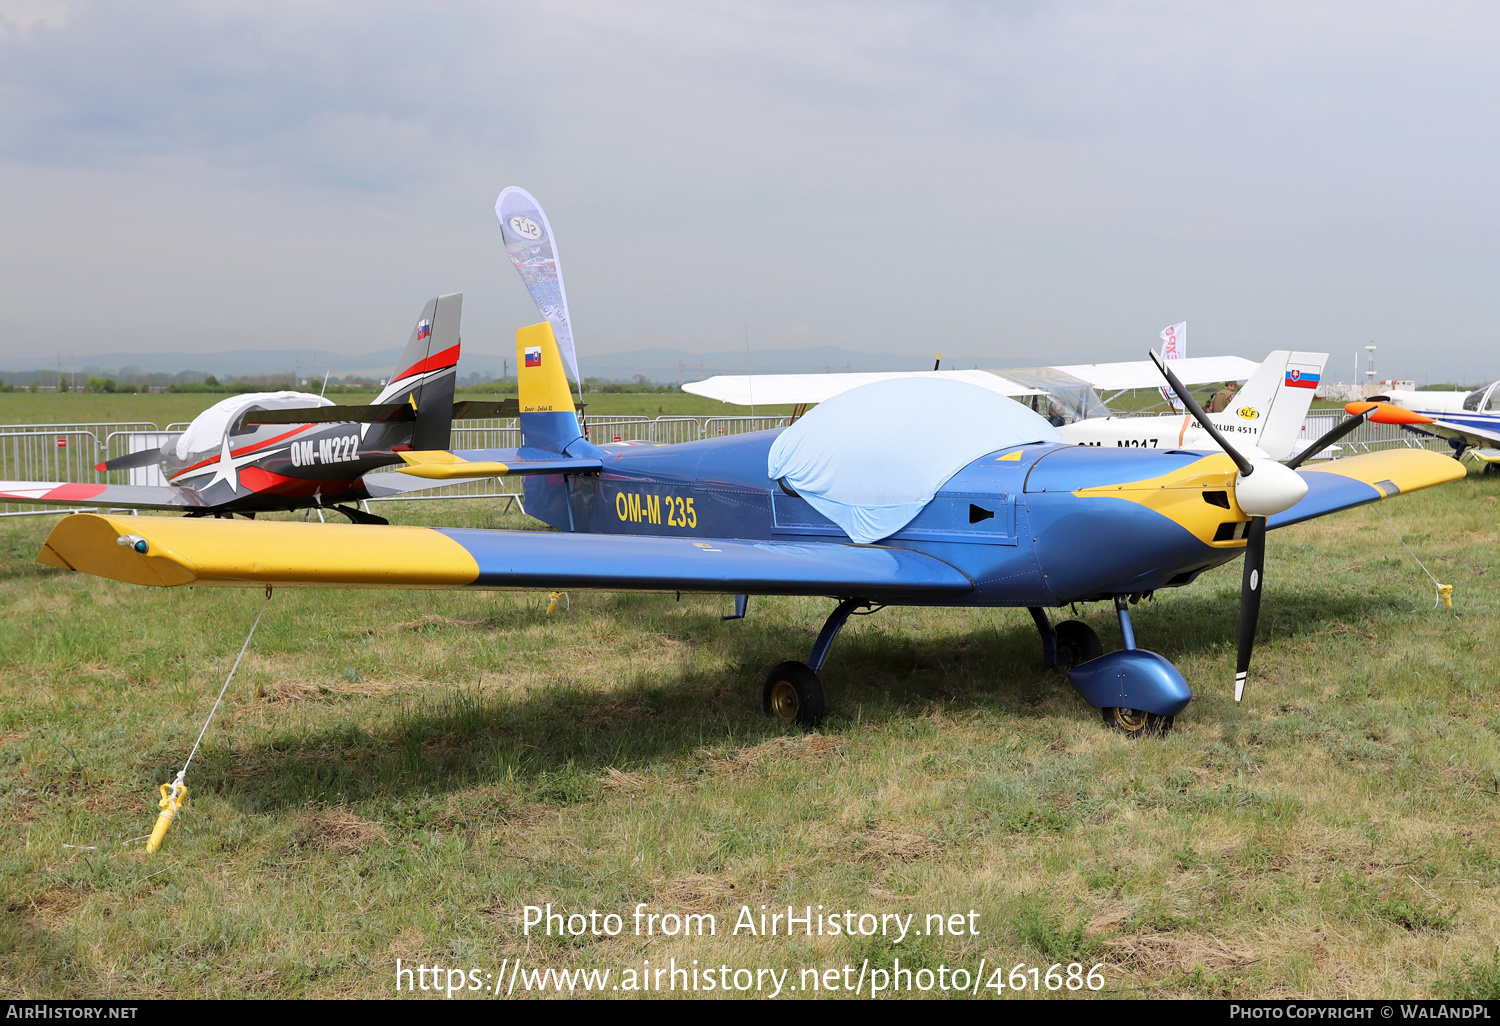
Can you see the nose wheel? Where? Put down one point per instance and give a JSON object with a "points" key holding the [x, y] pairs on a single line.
{"points": [[794, 694], [1135, 723]]}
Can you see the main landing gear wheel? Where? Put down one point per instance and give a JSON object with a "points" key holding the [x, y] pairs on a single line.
{"points": [[794, 693], [1135, 723], [1077, 641]]}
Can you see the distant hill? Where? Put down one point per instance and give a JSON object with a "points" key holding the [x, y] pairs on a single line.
{"points": [[662, 366]]}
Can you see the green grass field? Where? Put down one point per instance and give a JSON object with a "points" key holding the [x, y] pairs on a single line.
{"points": [[396, 775]]}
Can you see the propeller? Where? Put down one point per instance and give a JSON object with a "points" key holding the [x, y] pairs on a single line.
{"points": [[1329, 437], [1262, 488]]}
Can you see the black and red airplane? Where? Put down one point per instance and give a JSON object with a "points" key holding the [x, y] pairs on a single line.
{"points": [[293, 450]]}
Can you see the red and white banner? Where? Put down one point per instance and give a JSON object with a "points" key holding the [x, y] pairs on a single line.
{"points": [[1173, 347]]}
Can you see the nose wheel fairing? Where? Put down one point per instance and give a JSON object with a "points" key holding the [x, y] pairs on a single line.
{"points": [[1129, 679], [1128, 685]]}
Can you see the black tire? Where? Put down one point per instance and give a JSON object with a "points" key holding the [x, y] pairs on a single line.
{"points": [[1134, 723], [1076, 643], [1492, 468], [793, 693]]}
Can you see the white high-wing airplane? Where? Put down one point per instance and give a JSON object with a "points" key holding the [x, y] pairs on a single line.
{"points": [[1267, 414], [1469, 421]]}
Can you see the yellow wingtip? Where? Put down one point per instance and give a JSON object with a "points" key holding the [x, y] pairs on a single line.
{"points": [[255, 553]]}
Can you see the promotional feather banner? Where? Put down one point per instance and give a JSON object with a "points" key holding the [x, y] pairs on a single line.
{"points": [[530, 246], [1173, 347]]}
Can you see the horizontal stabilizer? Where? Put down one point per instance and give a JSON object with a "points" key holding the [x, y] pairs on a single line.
{"points": [[169, 551], [1357, 480], [473, 410], [375, 413], [134, 460], [59, 493], [381, 413], [443, 464], [469, 409]]}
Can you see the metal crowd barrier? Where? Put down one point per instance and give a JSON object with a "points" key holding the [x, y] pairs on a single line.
{"points": [[62, 453], [1367, 437]]}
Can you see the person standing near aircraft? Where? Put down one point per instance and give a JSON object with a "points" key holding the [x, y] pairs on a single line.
{"points": [[1224, 397]]}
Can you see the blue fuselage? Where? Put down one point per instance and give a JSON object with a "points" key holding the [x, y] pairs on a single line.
{"points": [[1013, 526]]}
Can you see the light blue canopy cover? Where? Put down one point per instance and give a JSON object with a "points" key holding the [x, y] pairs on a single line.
{"points": [[869, 459]]}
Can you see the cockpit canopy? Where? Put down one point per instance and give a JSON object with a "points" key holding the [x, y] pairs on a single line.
{"points": [[871, 458], [1475, 400], [208, 428]]}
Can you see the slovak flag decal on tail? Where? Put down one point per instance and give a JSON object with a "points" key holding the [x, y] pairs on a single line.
{"points": [[424, 330], [533, 356], [1301, 377]]}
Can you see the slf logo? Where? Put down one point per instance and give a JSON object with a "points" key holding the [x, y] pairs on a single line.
{"points": [[1249, 412], [525, 227]]}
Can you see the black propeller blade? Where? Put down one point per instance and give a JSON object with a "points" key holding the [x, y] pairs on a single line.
{"points": [[1255, 539], [1201, 417], [1329, 437], [1254, 577], [1255, 558]]}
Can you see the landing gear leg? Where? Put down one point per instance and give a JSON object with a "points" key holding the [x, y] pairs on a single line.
{"points": [[1049, 636], [792, 690], [831, 628], [1132, 722], [1127, 630]]}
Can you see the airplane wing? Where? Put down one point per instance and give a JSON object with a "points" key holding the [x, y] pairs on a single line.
{"points": [[1444, 428], [1193, 370], [796, 389], [57, 493], [1473, 428], [1357, 480], [793, 389], [172, 551]]}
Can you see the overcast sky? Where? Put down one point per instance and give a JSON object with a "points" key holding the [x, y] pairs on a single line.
{"points": [[1023, 182]]}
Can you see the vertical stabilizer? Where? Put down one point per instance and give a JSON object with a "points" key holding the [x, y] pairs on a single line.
{"points": [[548, 418], [1276, 398], [428, 370]]}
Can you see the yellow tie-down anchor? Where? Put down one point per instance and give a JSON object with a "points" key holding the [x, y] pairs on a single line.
{"points": [[172, 797], [1445, 595]]}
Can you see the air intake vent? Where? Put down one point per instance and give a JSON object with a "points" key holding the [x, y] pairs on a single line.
{"points": [[1233, 531], [978, 513], [1219, 499]]}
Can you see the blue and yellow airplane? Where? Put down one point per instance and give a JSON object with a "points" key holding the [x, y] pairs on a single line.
{"points": [[898, 493]]}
